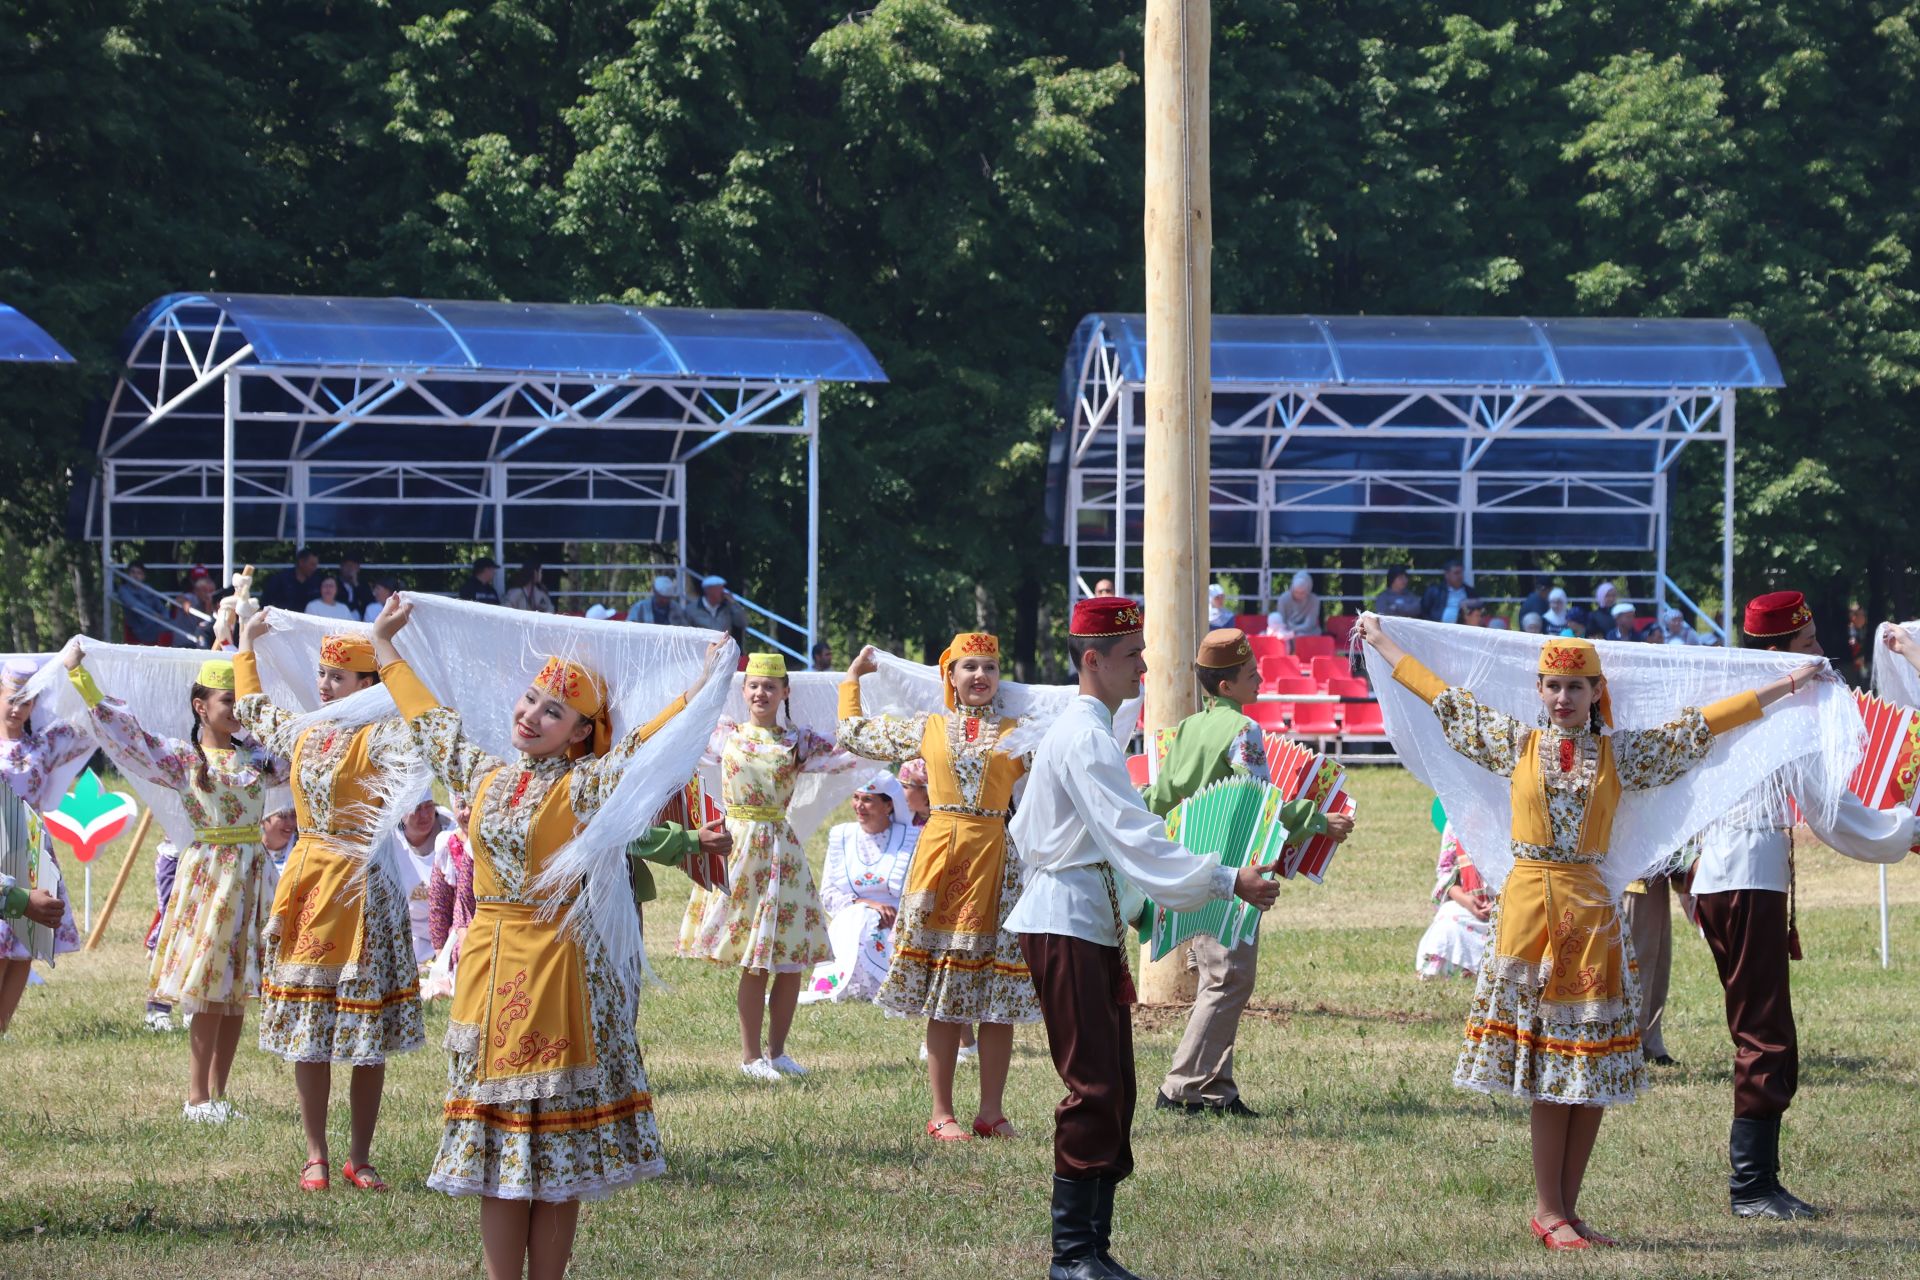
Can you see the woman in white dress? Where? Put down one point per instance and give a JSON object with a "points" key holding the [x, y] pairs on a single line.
{"points": [[1456, 941], [860, 887]]}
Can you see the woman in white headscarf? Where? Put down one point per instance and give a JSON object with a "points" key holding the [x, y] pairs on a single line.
{"points": [[1296, 613], [860, 887]]}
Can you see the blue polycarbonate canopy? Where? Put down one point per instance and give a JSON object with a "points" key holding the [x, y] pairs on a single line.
{"points": [[1457, 351], [594, 339], [26, 342]]}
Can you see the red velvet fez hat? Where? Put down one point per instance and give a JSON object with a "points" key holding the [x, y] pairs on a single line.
{"points": [[1098, 617], [1776, 614]]}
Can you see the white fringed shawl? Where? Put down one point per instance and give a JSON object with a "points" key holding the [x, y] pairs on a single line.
{"points": [[478, 659], [815, 705], [1813, 737], [905, 689], [152, 683], [48, 710], [1894, 678]]}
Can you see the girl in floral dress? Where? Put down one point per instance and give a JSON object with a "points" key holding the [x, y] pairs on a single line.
{"points": [[1555, 1006], [547, 1100], [1456, 941], [38, 764], [952, 962], [770, 920], [340, 983], [207, 960]]}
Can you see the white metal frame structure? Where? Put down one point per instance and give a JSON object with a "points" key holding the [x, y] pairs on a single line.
{"points": [[1431, 453], [249, 417]]}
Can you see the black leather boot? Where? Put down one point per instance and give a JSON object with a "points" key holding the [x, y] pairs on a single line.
{"points": [[1103, 1230], [1753, 1149], [1076, 1249]]}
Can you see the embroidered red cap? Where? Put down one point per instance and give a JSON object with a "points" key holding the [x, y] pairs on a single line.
{"points": [[1098, 617], [1778, 613]]}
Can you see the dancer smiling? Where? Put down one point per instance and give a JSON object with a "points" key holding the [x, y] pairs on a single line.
{"points": [[340, 982], [1554, 1016]]}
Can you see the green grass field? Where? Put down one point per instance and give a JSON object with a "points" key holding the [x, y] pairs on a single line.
{"points": [[1365, 1163]]}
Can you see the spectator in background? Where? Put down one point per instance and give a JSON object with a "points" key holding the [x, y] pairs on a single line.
{"points": [[1497, 623], [1533, 624], [597, 612], [383, 586], [479, 584], [1623, 626], [664, 608], [352, 594], [1537, 602], [1104, 587], [143, 609], [527, 592], [291, 588], [1218, 615], [1398, 600], [1559, 612], [717, 610], [198, 605], [1600, 617], [1442, 600], [1473, 613], [821, 657], [1674, 628], [328, 603], [1296, 613]]}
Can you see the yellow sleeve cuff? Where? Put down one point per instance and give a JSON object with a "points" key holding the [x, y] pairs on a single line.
{"points": [[1413, 673], [1731, 713], [246, 675], [850, 699], [89, 691], [659, 722], [409, 694]]}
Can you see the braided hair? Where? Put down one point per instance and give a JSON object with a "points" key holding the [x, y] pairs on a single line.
{"points": [[197, 694]]}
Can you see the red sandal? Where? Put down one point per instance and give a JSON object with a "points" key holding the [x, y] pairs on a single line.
{"points": [[1600, 1238], [1545, 1233], [934, 1128], [313, 1184], [1001, 1128], [362, 1177]]}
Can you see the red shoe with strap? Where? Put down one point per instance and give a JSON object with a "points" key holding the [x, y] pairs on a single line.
{"points": [[936, 1129], [362, 1176], [1591, 1236], [1545, 1232], [313, 1184], [1001, 1128]]}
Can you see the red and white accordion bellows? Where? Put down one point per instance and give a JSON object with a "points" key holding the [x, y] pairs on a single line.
{"points": [[1887, 770], [1299, 773], [709, 871]]}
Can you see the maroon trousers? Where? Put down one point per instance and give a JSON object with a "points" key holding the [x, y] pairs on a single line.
{"points": [[1747, 931], [1090, 1034]]}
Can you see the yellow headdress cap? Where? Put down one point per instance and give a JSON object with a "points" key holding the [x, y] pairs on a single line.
{"points": [[772, 666], [586, 693], [215, 673], [347, 652], [968, 644], [1572, 656]]}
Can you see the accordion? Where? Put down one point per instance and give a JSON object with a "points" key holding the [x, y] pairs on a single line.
{"points": [[1887, 770], [1301, 774], [693, 808]]}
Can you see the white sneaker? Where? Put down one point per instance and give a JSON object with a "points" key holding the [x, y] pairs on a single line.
{"points": [[198, 1113], [159, 1020], [786, 1066], [221, 1111], [760, 1069], [923, 1051], [968, 1053]]}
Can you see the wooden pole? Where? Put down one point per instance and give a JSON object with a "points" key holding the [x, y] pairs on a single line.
{"points": [[1179, 248], [120, 879]]}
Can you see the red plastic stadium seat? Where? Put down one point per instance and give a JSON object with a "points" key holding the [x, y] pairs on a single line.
{"points": [[1340, 626], [1137, 770], [1265, 647], [1365, 721], [1254, 624], [1294, 686], [1333, 668], [1314, 719], [1307, 648], [1271, 716], [1350, 688], [1275, 669]]}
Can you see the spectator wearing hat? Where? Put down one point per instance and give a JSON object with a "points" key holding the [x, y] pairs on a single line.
{"points": [[1559, 612], [1674, 628], [1623, 627], [479, 584], [717, 610], [1218, 615], [597, 612], [664, 608], [1296, 613]]}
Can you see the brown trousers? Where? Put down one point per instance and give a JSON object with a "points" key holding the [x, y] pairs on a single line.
{"points": [[1202, 1070], [1747, 932], [1649, 919], [1090, 1034]]}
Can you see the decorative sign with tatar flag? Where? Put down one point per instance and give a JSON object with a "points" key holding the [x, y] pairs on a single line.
{"points": [[88, 819]]}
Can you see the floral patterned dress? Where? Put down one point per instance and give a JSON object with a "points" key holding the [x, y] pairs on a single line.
{"points": [[547, 1096], [1555, 1015], [1456, 941], [952, 962], [31, 763], [208, 956], [340, 984], [770, 918]]}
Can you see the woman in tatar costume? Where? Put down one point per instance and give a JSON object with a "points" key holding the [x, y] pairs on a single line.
{"points": [[952, 962], [547, 1101], [770, 921], [1555, 1009], [207, 961], [40, 763], [340, 982], [860, 887]]}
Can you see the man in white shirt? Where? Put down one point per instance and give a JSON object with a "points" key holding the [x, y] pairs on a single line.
{"points": [[1092, 850], [1743, 887]]}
